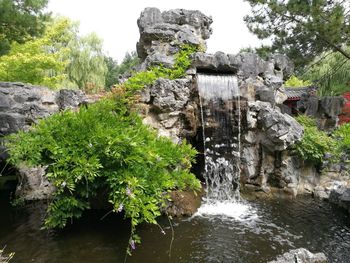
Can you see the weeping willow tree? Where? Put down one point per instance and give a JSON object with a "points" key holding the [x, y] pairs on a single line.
{"points": [[330, 72], [87, 67]]}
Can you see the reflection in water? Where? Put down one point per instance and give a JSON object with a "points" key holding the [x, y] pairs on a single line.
{"points": [[277, 226]]}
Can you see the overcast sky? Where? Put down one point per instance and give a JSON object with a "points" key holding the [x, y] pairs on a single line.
{"points": [[115, 21]]}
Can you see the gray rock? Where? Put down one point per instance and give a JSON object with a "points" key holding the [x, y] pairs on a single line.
{"points": [[301, 255], [290, 170], [332, 106], [250, 161], [33, 184], [284, 64], [341, 197], [70, 99], [162, 33], [170, 95], [280, 130], [22, 104]]}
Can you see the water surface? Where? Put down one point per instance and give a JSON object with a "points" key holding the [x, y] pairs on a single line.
{"points": [[260, 232]]}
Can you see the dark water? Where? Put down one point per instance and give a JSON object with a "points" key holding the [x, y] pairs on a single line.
{"points": [[272, 228]]}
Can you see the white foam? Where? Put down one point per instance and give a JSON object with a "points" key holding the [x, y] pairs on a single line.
{"points": [[239, 211]]}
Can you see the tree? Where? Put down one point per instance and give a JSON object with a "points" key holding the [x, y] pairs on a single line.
{"points": [[130, 60], [114, 70], [87, 67], [302, 29], [40, 61], [331, 72], [20, 20]]}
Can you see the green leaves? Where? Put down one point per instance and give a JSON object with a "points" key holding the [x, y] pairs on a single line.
{"points": [[301, 29], [295, 82], [20, 21], [104, 147], [342, 135], [86, 67], [144, 78], [331, 73], [315, 143]]}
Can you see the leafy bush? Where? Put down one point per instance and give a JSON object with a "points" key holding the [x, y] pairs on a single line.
{"points": [[315, 143], [182, 61], [295, 82], [342, 135], [104, 147]]}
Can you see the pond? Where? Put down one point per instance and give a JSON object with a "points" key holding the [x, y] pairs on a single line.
{"points": [[255, 232]]}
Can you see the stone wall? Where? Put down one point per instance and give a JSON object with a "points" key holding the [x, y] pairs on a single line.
{"points": [[21, 105]]}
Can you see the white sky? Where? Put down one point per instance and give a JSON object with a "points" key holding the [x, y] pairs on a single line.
{"points": [[115, 21]]}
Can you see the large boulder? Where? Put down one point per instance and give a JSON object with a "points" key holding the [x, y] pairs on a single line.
{"points": [[301, 255], [23, 104], [341, 197], [161, 33], [33, 184], [280, 130]]}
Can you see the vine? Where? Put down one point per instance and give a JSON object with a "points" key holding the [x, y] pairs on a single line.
{"points": [[106, 146]]}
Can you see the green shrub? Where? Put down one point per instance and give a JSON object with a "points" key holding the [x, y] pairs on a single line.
{"points": [[295, 82], [342, 135], [315, 143], [144, 78], [104, 147]]}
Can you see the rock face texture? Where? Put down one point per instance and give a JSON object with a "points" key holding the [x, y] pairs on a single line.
{"points": [[326, 109], [33, 184], [301, 255], [22, 105], [161, 33]]}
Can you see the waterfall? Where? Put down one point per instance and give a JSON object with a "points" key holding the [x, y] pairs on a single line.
{"points": [[221, 117]]}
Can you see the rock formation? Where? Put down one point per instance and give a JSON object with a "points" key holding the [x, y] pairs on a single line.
{"points": [[301, 255], [172, 106], [22, 105]]}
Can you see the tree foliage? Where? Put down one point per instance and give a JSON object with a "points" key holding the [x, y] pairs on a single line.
{"points": [[114, 70], [295, 82], [60, 58], [41, 60], [20, 20], [87, 67], [302, 29], [315, 143], [330, 72]]}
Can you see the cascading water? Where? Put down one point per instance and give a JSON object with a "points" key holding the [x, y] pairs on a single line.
{"points": [[221, 120]]}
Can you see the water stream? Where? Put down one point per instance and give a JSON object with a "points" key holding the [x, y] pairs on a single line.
{"points": [[221, 120]]}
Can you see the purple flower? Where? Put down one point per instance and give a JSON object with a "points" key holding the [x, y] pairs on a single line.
{"points": [[120, 208], [128, 191], [132, 244]]}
